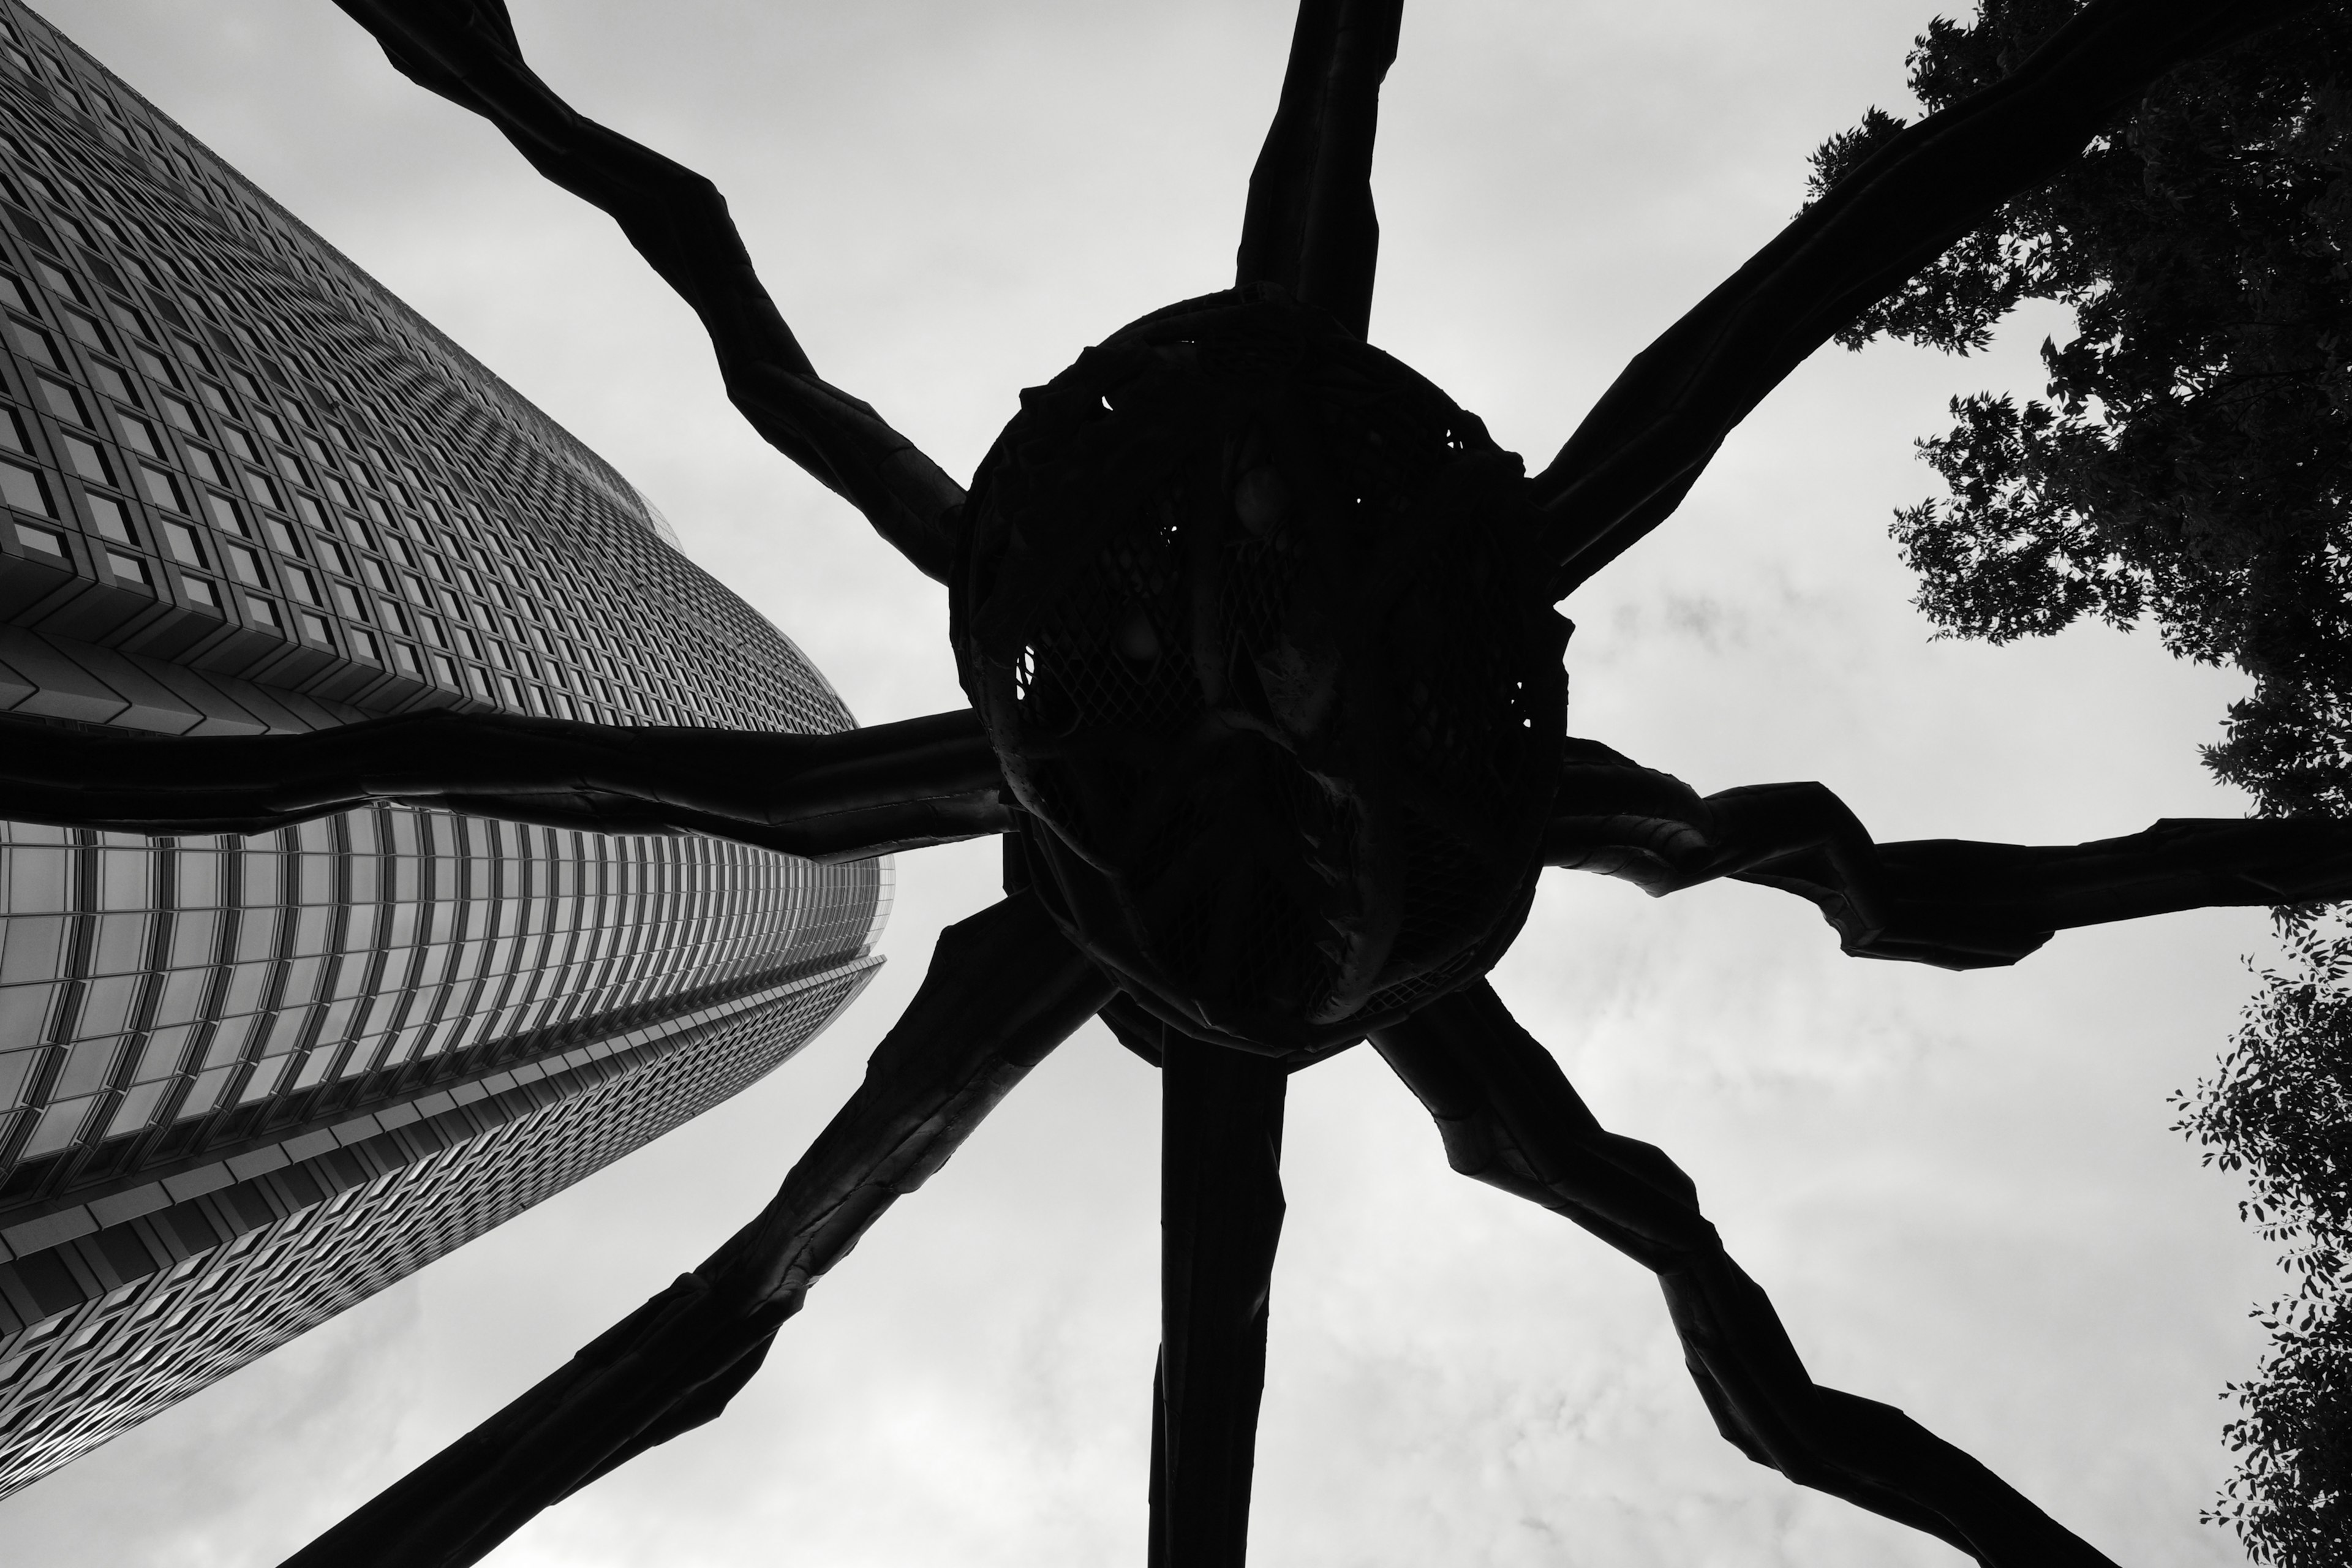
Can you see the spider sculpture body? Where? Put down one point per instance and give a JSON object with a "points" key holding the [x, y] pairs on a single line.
{"points": [[1257, 629], [1244, 609]]}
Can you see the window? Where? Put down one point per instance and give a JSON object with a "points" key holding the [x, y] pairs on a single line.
{"points": [[271, 425], [330, 554], [139, 435], [182, 542], [240, 443], [64, 402], [444, 670], [107, 512], [84, 326], [110, 380], [263, 488], [262, 613], [87, 460], [206, 465], [42, 540], [405, 657], [301, 584], [199, 591], [315, 629], [127, 568], [364, 645], [156, 366], [37, 346], [13, 293], [163, 488], [225, 517], [58, 281], [280, 535], [12, 431], [25, 488], [244, 565], [130, 320], [352, 605]]}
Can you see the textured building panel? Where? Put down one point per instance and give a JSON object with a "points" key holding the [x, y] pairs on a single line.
{"points": [[245, 1081]]}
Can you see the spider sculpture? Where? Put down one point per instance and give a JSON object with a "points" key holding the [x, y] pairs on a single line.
{"points": [[1267, 703]]}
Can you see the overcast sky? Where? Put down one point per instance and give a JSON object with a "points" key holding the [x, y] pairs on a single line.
{"points": [[1960, 1190]]}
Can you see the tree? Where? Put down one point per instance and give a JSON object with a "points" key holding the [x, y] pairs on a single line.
{"points": [[2193, 461], [2191, 464], [2280, 1110]]}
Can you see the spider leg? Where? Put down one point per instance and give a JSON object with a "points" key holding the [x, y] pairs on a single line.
{"points": [[1004, 987], [1510, 1118], [1952, 902], [466, 51], [826, 797], [1220, 1216], [1309, 225], [1646, 441]]}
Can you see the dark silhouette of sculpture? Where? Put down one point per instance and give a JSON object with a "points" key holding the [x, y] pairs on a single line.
{"points": [[1267, 705]]}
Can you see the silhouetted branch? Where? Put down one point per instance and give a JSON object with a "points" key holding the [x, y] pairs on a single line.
{"points": [[1643, 447], [1003, 989], [466, 51], [1953, 902], [1510, 1119], [1309, 225], [826, 797]]}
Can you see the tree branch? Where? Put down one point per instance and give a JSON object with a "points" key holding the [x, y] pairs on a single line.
{"points": [[466, 51], [1003, 989], [824, 797], [1630, 463]]}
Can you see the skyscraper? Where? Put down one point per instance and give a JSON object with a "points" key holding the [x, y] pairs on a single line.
{"points": [[245, 1082]]}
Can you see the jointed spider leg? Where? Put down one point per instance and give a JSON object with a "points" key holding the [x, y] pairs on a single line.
{"points": [[1644, 445], [1004, 987], [1952, 902], [1309, 225], [824, 797], [466, 51], [1509, 1118], [1220, 1216]]}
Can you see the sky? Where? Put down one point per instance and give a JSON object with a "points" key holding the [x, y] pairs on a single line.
{"points": [[1961, 1190]]}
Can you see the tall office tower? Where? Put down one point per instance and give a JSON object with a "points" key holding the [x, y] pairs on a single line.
{"points": [[245, 1082]]}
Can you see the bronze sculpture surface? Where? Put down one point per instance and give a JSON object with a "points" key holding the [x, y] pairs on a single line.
{"points": [[1954, 905]]}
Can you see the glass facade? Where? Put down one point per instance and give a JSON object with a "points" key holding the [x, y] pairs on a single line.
{"points": [[245, 1081]]}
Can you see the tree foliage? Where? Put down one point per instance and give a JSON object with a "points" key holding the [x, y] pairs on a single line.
{"points": [[2192, 460], [2279, 1111], [2190, 465]]}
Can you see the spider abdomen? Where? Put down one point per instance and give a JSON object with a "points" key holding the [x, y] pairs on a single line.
{"points": [[1246, 607]]}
